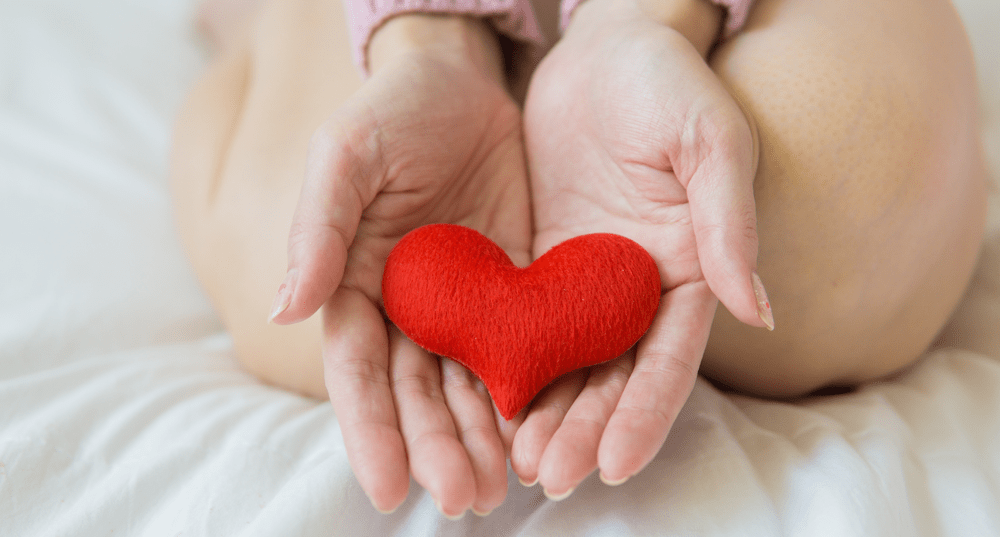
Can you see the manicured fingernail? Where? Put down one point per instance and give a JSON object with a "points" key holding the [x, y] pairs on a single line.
{"points": [[284, 296], [763, 304], [613, 483], [558, 497], [481, 513], [525, 483], [446, 515]]}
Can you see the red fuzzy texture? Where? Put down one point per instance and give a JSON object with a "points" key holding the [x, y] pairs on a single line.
{"points": [[457, 294]]}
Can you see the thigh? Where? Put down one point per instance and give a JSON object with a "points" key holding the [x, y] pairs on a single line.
{"points": [[869, 188], [237, 169]]}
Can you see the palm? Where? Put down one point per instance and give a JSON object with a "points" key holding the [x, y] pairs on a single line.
{"points": [[446, 149], [602, 156], [615, 139]]}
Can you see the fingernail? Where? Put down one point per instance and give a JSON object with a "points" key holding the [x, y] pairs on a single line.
{"points": [[446, 515], [383, 511], [526, 484], [763, 304], [284, 296], [380, 510], [480, 513], [613, 483], [558, 497]]}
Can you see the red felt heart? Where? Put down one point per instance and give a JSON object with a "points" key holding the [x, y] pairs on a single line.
{"points": [[457, 294]]}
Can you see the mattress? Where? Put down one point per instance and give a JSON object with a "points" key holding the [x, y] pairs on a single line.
{"points": [[123, 411]]}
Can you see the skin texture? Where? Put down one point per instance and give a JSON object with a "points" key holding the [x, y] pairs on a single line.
{"points": [[831, 146], [870, 188]]}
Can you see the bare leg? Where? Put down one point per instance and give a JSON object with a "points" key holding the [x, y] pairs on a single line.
{"points": [[870, 188], [238, 162]]}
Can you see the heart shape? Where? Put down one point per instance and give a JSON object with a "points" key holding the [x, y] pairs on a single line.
{"points": [[457, 294]]}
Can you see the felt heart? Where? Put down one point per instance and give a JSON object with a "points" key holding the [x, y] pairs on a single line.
{"points": [[457, 294]]}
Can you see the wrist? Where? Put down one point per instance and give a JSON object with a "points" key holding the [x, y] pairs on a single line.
{"points": [[456, 39], [699, 21]]}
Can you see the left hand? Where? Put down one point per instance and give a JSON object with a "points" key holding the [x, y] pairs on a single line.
{"points": [[629, 131], [433, 136]]}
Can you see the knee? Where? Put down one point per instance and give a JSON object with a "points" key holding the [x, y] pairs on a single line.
{"points": [[870, 203], [863, 261]]}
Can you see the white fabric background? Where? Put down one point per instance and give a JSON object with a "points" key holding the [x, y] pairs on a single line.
{"points": [[122, 411]]}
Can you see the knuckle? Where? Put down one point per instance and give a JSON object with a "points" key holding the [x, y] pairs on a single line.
{"points": [[585, 421], [742, 223], [611, 380], [427, 439], [736, 234], [749, 228], [298, 234], [479, 434], [619, 372], [417, 386], [554, 407], [654, 417], [456, 376], [666, 367], [360, 370]]}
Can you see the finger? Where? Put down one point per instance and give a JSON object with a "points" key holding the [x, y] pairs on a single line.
{"points": [[666, 366], [507, 429], [355, 356], [342, 179], [724, 216], [571, 454], [472, 411], [541, 422], [437, 458]]}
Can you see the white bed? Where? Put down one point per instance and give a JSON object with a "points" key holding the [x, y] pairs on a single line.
{"points": [[122, 411]]}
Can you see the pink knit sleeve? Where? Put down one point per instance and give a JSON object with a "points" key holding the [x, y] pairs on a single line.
{"points": [[514, 18], [736, 14]]}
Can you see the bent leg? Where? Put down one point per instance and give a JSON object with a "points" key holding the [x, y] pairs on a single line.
{"points": [[870, 188], [237, 168]]}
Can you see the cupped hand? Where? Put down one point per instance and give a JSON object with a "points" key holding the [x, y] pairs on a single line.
{"points": [[629, 131], [431, 137]]}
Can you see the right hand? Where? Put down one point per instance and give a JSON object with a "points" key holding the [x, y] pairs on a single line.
{"points": [[629, 131], [433, 136]]}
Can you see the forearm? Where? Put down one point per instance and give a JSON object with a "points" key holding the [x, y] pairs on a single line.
{"points": [[697, 20], [700, 21], [452, 38]]}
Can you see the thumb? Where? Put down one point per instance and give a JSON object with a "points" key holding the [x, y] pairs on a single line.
{"points": [[341, 170], [724, 218]]}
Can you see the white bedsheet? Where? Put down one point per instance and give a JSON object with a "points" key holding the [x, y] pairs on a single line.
{"points": [[122, 411]]}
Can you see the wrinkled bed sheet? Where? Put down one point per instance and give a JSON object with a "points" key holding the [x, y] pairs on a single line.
{"points": [[123, 412]]}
